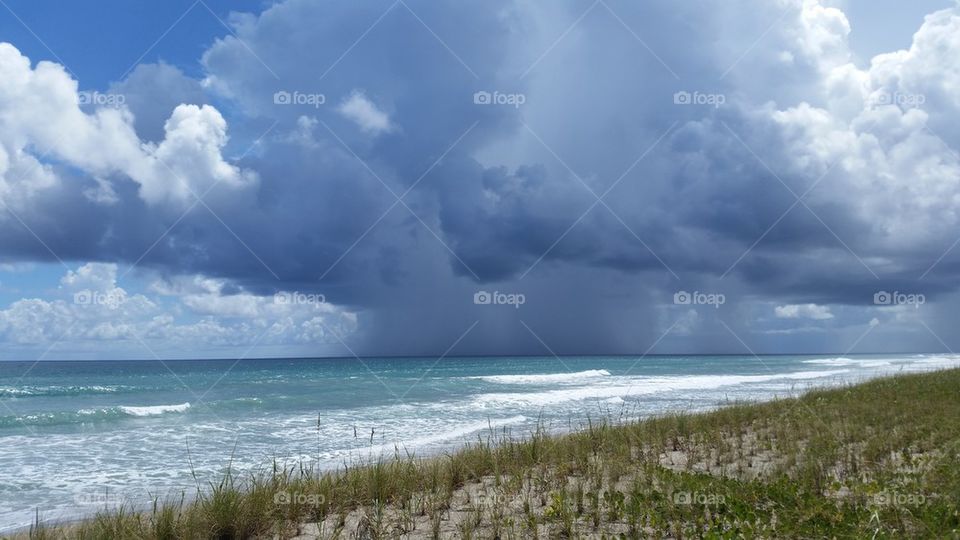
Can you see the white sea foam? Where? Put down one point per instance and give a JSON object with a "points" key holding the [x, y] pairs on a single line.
{"points": [[912, 363], [925, 363], [59, 390], [640, 386], [155, 409], [441, 437], [843, 361], [544, 378]]}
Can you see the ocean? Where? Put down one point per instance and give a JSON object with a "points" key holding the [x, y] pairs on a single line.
{"points": [[78, 437]]}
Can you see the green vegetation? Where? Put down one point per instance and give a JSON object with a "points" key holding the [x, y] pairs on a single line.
{"points": [[876, 460]]}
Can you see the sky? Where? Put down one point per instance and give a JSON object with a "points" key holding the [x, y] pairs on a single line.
{"points": [[191, 179]]}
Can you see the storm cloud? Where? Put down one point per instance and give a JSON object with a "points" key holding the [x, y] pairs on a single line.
{"points": [[598, 158]]}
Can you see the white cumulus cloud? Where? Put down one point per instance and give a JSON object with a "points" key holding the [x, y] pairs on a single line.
{"points": [[40, 109], [803, 311], [182, 311], [358, 108]]}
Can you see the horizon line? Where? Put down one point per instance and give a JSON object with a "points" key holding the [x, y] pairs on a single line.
{"points": [[463, 356]]}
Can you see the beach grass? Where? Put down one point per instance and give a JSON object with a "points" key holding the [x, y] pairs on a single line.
{"points": [[880, 459]]}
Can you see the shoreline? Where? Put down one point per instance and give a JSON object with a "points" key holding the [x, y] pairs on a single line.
{"points": [[840, 450], [597, 409]]}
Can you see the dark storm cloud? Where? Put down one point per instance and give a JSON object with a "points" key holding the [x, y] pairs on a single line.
{"points": [[505, 197]]}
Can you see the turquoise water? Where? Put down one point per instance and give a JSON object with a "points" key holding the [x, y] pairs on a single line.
{"points": [[78, 436]]}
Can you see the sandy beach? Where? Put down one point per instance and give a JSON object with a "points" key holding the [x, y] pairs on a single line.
{"points": [[876, 459]]}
